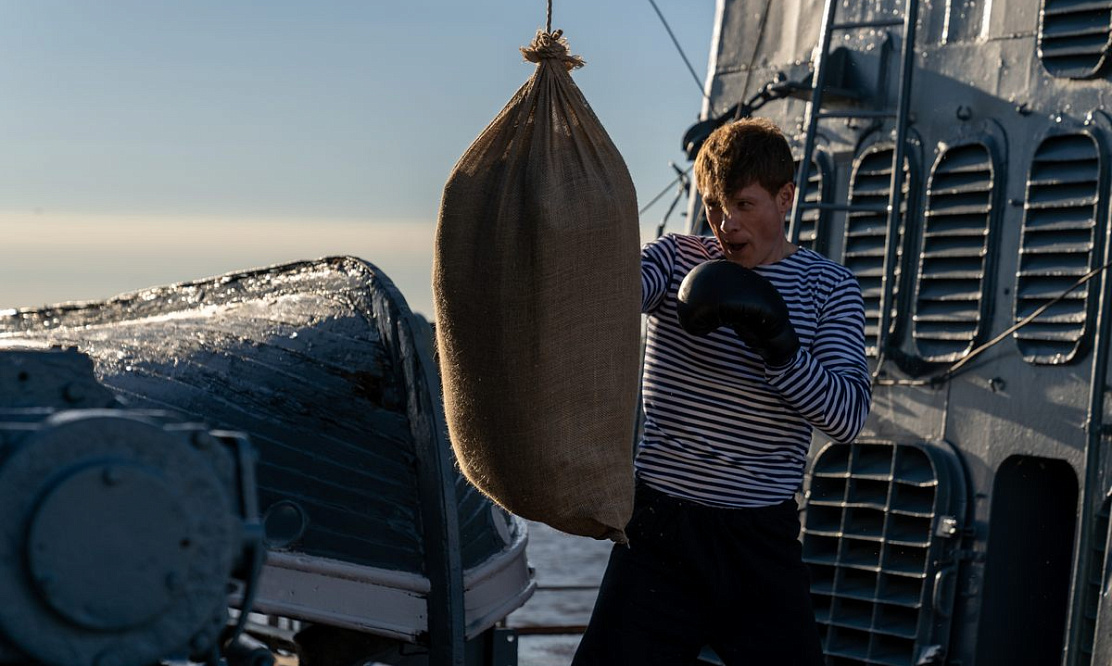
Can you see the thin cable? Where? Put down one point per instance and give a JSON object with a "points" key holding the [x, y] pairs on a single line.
{"points": [[873, 378], [953, 369], [1026, 320], [679, 48], [681, 192], [667, 188], [756, 48]]}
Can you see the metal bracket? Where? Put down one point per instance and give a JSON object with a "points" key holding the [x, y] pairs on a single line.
{"points": [[946, 527]]}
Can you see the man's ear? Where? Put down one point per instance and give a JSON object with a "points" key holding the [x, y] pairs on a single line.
{"points": [[785, 197]]}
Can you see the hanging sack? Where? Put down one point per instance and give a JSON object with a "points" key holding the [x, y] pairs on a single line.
{"points": [[536, 279]]}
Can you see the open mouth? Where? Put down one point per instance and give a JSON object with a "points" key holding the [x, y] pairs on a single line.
{"points": [[734, 248]]}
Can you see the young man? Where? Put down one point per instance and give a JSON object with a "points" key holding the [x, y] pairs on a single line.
{"points": [[762, 342]]}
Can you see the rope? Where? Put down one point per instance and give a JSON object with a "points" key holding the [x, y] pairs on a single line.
{"points": [[551, 46], [549, 24]]}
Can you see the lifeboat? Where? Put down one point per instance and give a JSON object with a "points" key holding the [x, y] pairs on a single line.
{"points": [[370, 526]]}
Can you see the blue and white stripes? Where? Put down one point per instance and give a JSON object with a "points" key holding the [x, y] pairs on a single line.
{"points": [[721, 428]]}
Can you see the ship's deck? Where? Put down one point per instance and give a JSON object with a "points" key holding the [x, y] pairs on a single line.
{"points": [[568, 572]]}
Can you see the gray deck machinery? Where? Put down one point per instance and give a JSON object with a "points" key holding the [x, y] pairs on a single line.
{"points": [[122, 528]]}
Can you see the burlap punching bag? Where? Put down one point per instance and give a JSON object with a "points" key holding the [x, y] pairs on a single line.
{"points": [[536, 280]]}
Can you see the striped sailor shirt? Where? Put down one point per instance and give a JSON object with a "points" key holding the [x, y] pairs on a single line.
{"points": [[722, 429]]}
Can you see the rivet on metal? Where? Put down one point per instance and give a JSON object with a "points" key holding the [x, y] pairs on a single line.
{"points": [[173, 581], [198, 643], [73, 392], [46, 584], [111, 476], [202, 440], [964, 112]]}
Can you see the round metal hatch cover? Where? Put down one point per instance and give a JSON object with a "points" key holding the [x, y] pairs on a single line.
{"points": [[122, 522]]}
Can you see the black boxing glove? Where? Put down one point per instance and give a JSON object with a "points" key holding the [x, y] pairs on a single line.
{"points": [[722, 293]]}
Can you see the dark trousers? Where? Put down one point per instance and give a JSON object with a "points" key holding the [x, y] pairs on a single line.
{"points": [[694, 575]]}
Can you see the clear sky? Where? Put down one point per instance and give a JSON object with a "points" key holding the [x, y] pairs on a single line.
{"points": [[146, 142]]}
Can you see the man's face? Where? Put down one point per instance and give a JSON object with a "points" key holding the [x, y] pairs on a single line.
{"points": [[749, 225]]}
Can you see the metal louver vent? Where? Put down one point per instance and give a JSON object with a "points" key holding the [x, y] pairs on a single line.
{"points": [[1074, 37], [950, 298], [878, 537], [867, 231], [1057, 246], [811, 220]]}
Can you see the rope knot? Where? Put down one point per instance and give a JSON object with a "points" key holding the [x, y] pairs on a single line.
{"points": [[551, 46]]}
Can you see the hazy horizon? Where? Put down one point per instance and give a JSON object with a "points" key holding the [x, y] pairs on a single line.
{"points": [[154, 142], [87, 258]]}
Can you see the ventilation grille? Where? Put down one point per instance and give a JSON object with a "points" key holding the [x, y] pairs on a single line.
{"points": [[866, 232], [1094, 583], [949, 306], [870, 541], [810, 222], [1074, 37], [1057, 247]]}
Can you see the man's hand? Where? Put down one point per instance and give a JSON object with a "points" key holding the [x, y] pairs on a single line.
{"points": [[722, 293]]}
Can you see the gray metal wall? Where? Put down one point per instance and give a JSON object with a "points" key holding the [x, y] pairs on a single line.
{"points": [[1007, 205]]}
